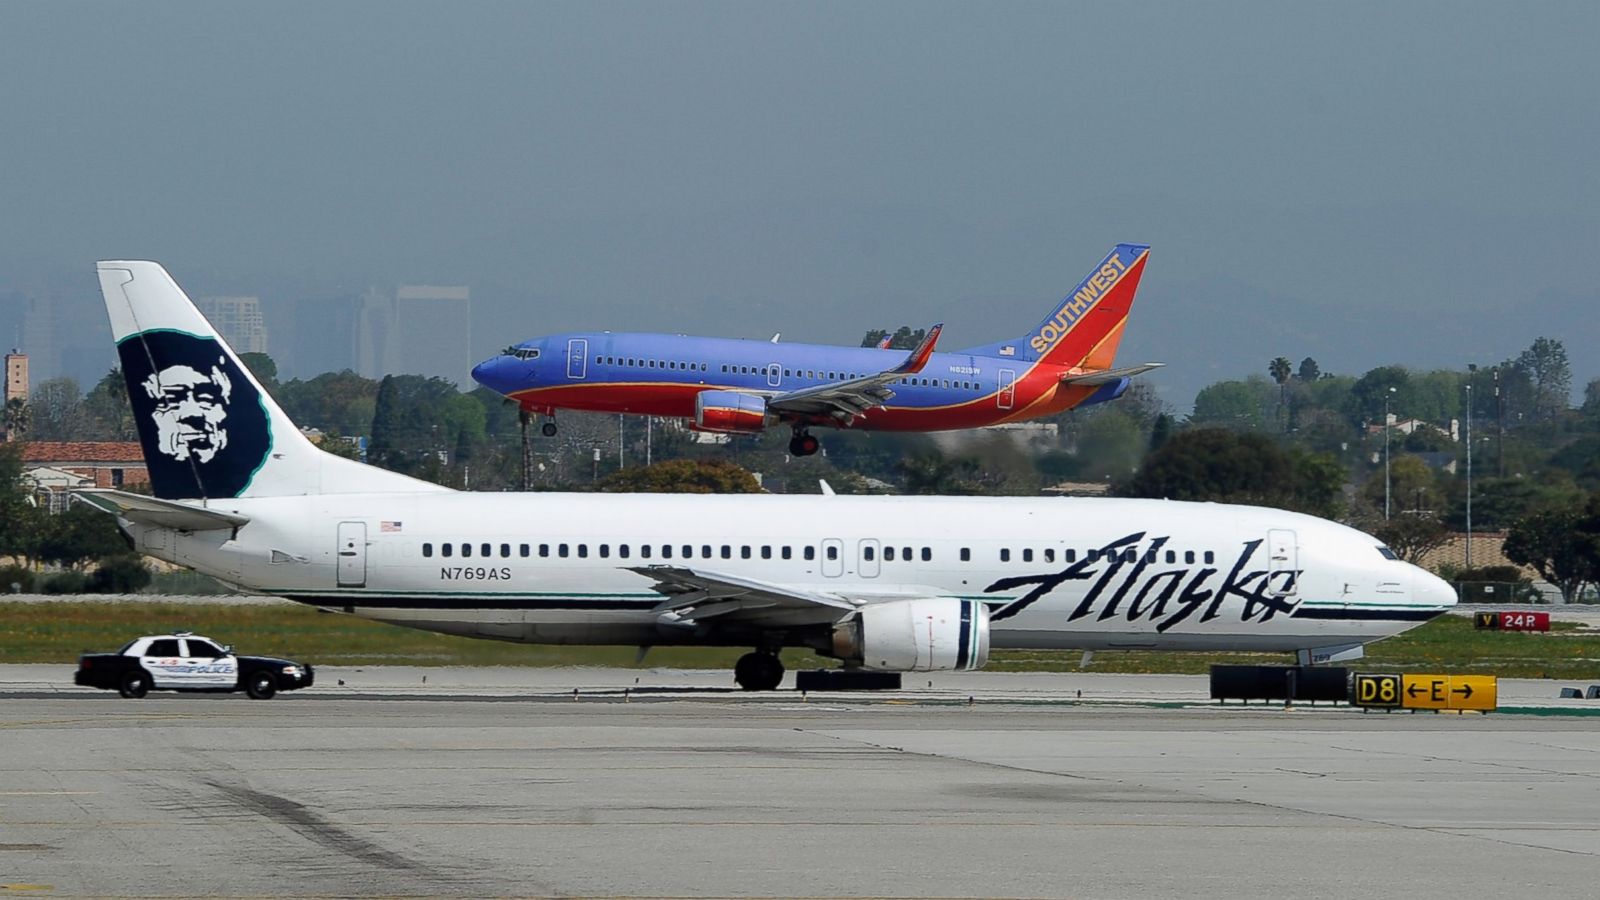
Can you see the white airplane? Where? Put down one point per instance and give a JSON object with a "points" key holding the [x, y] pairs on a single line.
{"points": [[883, 583]]}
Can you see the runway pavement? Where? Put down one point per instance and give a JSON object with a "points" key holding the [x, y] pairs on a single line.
{"points": [[479, 783]]}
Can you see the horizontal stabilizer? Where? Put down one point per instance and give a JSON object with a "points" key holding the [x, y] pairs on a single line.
{"points": [[161, 513], [1106, 376]]}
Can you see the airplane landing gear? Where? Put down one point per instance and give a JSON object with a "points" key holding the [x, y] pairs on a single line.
{"points": [[758, 671], [803, 444], [548, 429]]}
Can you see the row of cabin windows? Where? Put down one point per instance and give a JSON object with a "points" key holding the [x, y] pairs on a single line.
{"points": [[637, 363], [847, 376], [766, 551], [649, 551]]}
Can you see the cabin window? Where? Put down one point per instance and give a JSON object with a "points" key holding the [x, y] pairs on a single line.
{"points": [[1130, 555], [1210, 557], [688, 552], [786, 373], [927, 554], [622, 550], [523, 551], [671, 364], [1188, 557], [505, 550], [785, 552], [644, 551], [724, 370], [1172, 557], [727, 552], [466, 551], [888, 554], [1005, 554], [833, 552], [1027, 554], [666, 551], [1149, 557], [544, 550], [427, 549], [605, 551], [583, 551], [705, 551], [1092, 555], [486, 550], [1049, 555], [562, 551], [744, 552], [766, 551], [966, 554], [811, 552], [1070, 555], [866, 553]]}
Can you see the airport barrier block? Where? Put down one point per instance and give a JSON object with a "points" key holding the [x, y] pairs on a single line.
{"points": [[1480, 692], [1376, 690], [846, 680], [1302, 683]]}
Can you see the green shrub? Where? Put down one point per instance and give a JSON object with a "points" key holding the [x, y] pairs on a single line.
{"points": [[124, 573], [15, 575], [64, 583]]}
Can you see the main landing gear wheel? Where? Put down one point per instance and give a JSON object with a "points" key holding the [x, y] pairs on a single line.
{"points": [[548, 429], [758, 671], [803, 444]]}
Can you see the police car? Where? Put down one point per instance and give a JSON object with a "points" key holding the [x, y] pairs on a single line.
{"points": [[188, 662]]}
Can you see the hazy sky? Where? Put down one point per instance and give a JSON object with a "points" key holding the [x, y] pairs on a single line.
{"points": [[1362, 183]]}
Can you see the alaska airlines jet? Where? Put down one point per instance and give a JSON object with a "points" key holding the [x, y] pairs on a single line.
{"points": [[886, 583], [744, 387]]}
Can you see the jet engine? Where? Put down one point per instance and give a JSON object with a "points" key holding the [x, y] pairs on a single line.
{"points": [[923, 635], [730, 412]]}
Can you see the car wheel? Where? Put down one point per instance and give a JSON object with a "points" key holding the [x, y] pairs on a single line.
{"points": [[135, 684], [261, 685]]}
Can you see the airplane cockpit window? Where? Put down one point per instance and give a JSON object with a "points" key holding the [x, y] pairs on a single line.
{"points": [[522, 353], [1387, 553]]}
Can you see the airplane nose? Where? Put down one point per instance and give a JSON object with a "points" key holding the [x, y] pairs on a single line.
{"points": [[483, 373], [1428, 589]]}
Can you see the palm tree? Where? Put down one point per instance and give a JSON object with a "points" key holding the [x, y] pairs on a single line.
{"points": [[17, 418], [1280, 370]]}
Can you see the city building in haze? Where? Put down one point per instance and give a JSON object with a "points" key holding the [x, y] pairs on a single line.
{"points": [[419, 330], [239, 319]]}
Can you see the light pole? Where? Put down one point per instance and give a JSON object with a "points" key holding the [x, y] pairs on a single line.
{"points": [[1471, 370], [1386, 483]]}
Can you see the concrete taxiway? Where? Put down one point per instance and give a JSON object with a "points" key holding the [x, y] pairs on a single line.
{"points": [[387, 786]]}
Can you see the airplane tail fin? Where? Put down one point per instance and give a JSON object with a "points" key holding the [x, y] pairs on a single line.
{"points": [[1086, 326], [207, 428]]}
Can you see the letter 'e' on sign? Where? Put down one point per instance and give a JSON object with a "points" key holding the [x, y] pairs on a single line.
{"points": [[1379, 691], [1480, 692]]}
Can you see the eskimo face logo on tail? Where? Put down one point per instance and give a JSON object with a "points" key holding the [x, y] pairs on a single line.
{"points": [[201, 422]]}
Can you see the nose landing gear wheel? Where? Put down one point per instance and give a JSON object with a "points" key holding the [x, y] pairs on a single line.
{"points": [[758, 671], [803, 444]]}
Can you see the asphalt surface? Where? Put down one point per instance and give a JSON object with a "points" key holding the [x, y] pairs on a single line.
{"points": [[482, 783]]}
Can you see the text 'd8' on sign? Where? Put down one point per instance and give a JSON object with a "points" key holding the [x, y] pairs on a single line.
{"points": [[1382, 691], [1479, 692]]}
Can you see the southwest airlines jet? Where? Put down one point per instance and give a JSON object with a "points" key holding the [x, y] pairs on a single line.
{"points": [[745, 387], [884, 583]]}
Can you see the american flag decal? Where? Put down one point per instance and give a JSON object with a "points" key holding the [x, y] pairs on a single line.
{"points": [[388, 527], [1008, 350]]}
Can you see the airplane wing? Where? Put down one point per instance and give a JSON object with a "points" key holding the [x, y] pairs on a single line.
{"points": [[844, 400], [154, 511], [1106, 376], [696, 594]]}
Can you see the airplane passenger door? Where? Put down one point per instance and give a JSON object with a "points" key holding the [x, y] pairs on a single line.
{"points": [[867, 558], [1008, 389], [1283, 562], [774, 375], [577, 357], [352, 554], [832, 557]]}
